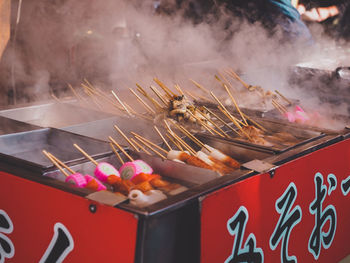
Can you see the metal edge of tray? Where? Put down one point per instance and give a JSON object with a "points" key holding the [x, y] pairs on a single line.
{"points": [[40, 168]]}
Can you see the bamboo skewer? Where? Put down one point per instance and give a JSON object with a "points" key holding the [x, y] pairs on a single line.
{"points": [[85, 154], [146, 106], [55, 163], [235, 103], [120, 148], [220, 119], [169, 93], [191, 136], [126, 138], [121, 103], [255, 123], [155, 91], [213, 123], [116, 153], [183, 143], [140, 146], [145, 94], [61, 163], [235, 75], [278, 108], [200, 86], [174, 142], [177, 87], [234, 121], [283, 97], [162, 137], [150, 147], [149, 142], [208, 128]]}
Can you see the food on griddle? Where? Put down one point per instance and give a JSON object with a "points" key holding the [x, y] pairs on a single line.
{"points": [[227, 160], [140, 199], [103, 170], [76, 179], [131, 169]]}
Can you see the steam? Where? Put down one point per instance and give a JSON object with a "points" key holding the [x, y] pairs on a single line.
{"points": [[117, 44]]}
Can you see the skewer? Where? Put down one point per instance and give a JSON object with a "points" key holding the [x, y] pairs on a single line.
{"points": [[235, 75], [177, 87], [234, 121], [200, 86], [61, 163], [144, 93], [126, 138], [255, 123], [161, 136], [220, 119], [191, 136], [149, 142], [121, 103], [154, 89], [226, 80], [116, 153], [283, 97], [183, 143], [140, 146], [120, 148], [74, 91], [85, 154], [149, 146], [146, 106], [207, 127], [277, 107], [165, 88], [213, 123], [174, 142], [55, 163], [235, 103]]}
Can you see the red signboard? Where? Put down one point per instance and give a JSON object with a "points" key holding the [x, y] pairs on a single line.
{"points": [[43, 224], [300, 214]]}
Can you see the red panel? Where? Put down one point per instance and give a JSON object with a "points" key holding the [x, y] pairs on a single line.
{"points": [[259, 194], [109, 235]]}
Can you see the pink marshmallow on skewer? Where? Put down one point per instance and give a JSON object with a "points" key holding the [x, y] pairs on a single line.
{"points": [[77, 179]]}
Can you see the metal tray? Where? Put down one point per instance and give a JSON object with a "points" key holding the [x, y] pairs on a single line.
{"points": [[301, 136], [101, 129], [56, 115], [8, 126], [25, 149]]}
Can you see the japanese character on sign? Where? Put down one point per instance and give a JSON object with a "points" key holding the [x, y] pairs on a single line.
{"points": [[288, 219], [318, 237], [7, 250], [249, 253]]}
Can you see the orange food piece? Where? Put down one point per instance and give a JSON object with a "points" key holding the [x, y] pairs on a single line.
{"points": [[92, 185], [143, 187], [158, 182], [113, 179], [142, 177]]}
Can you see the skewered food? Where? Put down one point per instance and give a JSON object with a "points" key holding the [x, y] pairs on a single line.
{"points": [[76, 179], [131, 169], [229, 161], [103, 170]]}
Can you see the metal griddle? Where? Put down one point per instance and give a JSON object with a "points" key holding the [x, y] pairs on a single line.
{"points": [[25, 149], [56, 115], [8, 126]]}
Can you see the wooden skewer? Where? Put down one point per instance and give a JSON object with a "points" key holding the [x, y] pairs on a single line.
{"points": [[85, 154], [161, 136], [220, 119], [235, 103], [130, 109], [169, 93], [283, 97], [177, 87], [235, 75], [155, 91], [140, 146], [226, 80], [116, 153], [282, 107], [183, 143], [62, 163], [146, 106], [149, 142], [213, 123], [200, 86], [145, 94], [174, 142], [208, 128], [234, 121], [125, 137], [255, 123], [121, 103], [74, 92], [150, 147], [121, 148], [55, 163], [192, 137], [278, 108]]}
